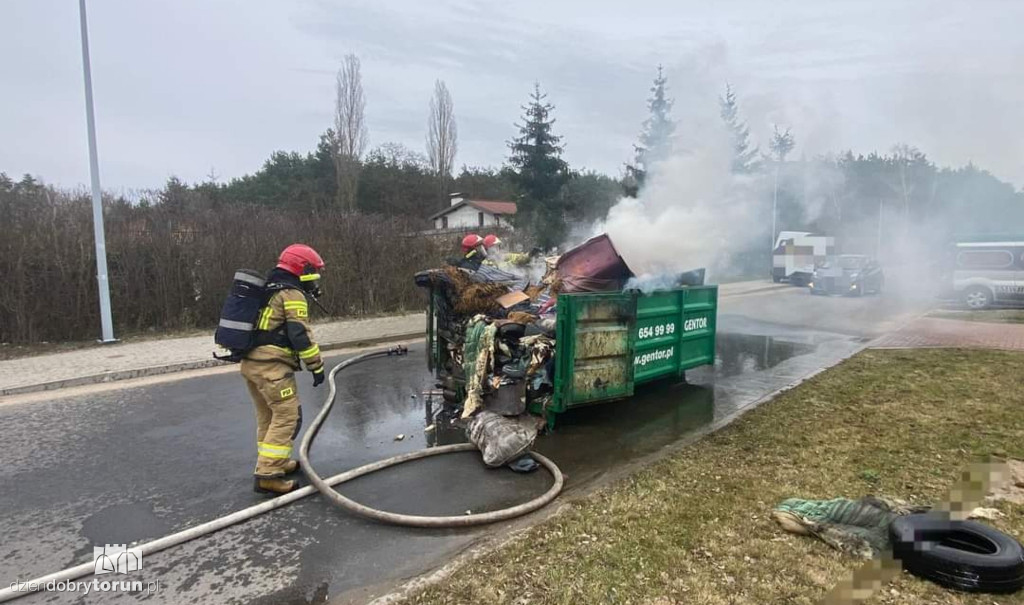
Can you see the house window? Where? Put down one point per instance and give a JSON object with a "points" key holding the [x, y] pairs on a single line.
{"points": [[497, 220], [444, 222], [480, 216]]}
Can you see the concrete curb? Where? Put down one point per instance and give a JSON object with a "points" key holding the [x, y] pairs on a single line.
{"points": [[183, 367], [765, 288]]}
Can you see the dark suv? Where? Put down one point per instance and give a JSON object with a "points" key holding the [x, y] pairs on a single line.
{"points": [[849, 274]]}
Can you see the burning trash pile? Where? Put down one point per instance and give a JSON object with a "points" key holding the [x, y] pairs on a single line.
{"points": [[496, 338], [496, 335]]}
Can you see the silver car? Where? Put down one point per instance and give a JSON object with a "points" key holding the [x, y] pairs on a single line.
{"points": [[987, 273]]}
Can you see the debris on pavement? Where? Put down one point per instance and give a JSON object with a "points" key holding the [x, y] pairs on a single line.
{"points": [[399, 437], [525, 464], [501, 439]]}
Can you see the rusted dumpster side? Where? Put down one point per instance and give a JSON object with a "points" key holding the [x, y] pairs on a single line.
{"points": [[593, 348]]}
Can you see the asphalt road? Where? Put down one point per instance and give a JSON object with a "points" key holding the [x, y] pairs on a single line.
{"points": [[139, 462]]}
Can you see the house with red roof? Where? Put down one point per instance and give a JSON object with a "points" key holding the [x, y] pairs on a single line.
{"points": [[465, 213]]}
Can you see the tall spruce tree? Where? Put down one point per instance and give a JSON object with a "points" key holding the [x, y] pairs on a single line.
{"points": [[655, 139], [781, 143], [539, 172], [744, 157]]}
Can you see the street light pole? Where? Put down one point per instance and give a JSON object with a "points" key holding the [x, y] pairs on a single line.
{"points": [[878, 245], [106, 322], [775, 203]]}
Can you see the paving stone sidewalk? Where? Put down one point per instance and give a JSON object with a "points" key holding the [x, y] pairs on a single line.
{"points": [[952, 333], [163, 356], [151, 357]]}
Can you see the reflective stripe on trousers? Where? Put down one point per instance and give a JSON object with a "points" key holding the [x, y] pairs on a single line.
{"points": [[276, 452]]}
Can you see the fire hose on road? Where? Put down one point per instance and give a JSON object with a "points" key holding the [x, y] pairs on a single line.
{"points": [[411, 520], [323, 486]]}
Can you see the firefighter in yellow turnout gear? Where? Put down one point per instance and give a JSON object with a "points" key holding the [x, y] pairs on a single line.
{"points": [[284, 343]]}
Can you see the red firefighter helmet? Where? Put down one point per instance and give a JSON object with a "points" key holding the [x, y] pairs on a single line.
{"points": [[471, 241], [299, 260], [491, 240]]}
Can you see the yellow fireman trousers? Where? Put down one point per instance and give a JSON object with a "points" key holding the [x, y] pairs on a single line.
{"points": [[278, 414]]}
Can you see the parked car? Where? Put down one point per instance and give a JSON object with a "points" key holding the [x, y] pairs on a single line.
{"points": [[848, 274], [988, 273]]}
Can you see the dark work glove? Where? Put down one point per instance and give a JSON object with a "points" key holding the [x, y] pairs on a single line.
{"points": [[318, 377]]}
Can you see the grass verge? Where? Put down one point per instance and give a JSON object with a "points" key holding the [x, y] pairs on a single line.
{"points": [[695, 528], [1001, 316]]}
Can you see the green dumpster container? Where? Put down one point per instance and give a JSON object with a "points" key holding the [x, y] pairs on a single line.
{"points": [[607, 343]]}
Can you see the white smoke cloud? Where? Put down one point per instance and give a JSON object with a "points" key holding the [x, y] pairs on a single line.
{"points": [[693, 212]]}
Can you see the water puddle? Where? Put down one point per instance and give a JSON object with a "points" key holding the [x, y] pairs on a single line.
{"points": [[591, 440], [744, 353], [122, 524]]}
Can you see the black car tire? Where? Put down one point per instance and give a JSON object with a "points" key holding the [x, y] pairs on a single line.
{"points": [[962, 555], [977, 298]]}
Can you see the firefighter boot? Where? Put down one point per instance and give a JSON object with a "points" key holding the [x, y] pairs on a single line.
{"points": [[274, 486]]}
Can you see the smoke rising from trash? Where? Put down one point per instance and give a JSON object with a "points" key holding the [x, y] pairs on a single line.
{"points": [[693, 212]]}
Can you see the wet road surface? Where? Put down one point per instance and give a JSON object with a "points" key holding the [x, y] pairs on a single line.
{"points": [[138, 463]]}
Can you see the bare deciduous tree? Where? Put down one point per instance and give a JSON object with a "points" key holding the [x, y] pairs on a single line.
{"points": [[442, 138], [904, 157], [349, 131]]}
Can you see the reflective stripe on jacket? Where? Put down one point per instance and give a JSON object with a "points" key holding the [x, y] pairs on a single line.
{"points": [[289, 309]]}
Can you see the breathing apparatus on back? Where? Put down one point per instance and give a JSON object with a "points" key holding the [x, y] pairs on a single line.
{"points": [[250, 292]]}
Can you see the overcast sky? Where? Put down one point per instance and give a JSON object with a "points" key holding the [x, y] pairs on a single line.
{"points": [[186, 86]]}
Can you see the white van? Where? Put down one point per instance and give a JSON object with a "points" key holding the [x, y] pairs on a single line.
{"points": [[987, 273]]}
